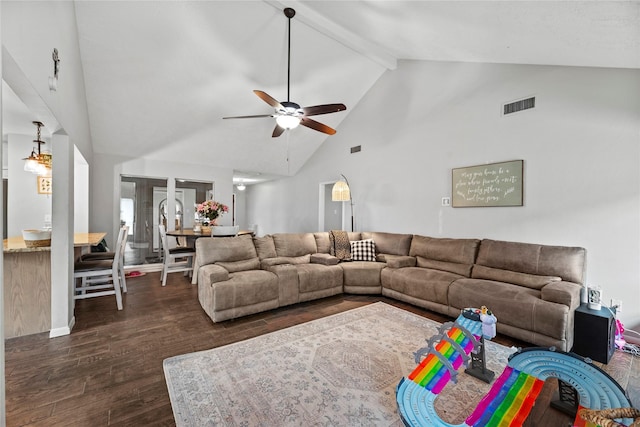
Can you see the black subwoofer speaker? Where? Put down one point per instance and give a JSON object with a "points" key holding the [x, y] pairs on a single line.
{"points": [[594, 333]]}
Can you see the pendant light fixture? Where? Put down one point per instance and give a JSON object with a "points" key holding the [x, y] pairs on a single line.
{"points": [[38, 163]]}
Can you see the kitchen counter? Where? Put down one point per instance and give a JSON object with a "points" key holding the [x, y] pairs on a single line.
{"points": [[27, 284], [80, 240]]}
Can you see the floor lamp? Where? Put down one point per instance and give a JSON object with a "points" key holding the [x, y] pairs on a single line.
{"points": [[341, 192]]}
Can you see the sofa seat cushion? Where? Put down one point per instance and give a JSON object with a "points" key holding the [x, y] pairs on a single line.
{"points": [[315, 277], [513, 305], [362, 273], [245, 288], [423, 283]]}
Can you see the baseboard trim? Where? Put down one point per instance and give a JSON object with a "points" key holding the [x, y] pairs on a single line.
{"points": [[66, 330], [144, 268]]}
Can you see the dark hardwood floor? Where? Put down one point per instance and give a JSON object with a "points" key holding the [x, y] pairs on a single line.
{"points": [[109, 370]]}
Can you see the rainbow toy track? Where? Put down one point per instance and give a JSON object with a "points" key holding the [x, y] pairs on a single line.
{"points": [[513, 393]]}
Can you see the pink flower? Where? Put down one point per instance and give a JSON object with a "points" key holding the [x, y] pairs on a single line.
{"points": [[210, 209]]}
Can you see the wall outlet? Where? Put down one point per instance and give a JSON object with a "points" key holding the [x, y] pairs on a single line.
{"points": [[617, 304], [446, 201]]}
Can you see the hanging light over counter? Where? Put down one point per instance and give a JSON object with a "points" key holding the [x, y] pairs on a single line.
{"points": [[38, 163]]}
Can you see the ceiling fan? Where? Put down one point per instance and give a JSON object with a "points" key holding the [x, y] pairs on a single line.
{"points": [[288, 114]]}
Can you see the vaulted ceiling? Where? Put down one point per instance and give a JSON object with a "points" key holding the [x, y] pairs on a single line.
{"points": [[160, 75]]}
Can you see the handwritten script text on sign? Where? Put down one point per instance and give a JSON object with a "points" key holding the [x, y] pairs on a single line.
{"points": [[490, 185]]}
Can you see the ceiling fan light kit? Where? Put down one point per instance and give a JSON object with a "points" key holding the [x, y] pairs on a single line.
{"points": [[288, 114], [287, 121]]}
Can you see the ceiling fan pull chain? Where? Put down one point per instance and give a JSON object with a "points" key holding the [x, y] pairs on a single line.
{"points": [[288, 163]]}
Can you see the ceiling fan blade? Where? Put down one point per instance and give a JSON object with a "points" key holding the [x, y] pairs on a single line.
{"points": [[277, 131], [323, 109], [249, 117], [269, 99], [305, 121]]}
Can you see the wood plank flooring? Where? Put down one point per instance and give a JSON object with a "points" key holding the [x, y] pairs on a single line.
{"points": [[109, 370]]}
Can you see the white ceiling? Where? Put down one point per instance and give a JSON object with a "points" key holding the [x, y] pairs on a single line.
{"points": [[160, 75]]}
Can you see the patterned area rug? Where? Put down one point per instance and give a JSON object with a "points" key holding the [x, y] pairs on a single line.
{"points": [[340, 370]]}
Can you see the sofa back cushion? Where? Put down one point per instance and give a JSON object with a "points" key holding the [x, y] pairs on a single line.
{"points": [[354, 235], [294, 244], [451, 267], [215, 250], [452, 255], [265, 247], [532, 281], [566, 262], [389, 243], [322, 242]]}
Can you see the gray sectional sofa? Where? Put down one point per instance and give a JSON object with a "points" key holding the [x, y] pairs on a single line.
{"points": [[532, 289]]}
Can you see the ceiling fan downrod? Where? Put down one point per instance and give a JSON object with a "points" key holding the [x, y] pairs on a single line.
{"points": [[289, 13], [288, 114]]}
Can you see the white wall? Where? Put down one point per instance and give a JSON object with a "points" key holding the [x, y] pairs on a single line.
{"points": [[580, 145], [241, 208], [81, 192], [105, 185], [30, 31]]}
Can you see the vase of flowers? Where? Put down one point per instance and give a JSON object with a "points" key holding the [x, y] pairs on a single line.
{"points": [[210, 210]]}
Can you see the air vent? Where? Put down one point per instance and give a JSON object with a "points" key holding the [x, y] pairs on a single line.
{"points": [[521, 105], [356, 149]]}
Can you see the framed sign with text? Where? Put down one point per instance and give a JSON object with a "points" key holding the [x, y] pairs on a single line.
{"points": [[493, 184]]}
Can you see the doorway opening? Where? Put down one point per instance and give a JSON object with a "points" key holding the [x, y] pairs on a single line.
{"points": [[331, 214]]}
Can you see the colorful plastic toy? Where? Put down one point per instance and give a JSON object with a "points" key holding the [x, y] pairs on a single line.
{"points": [[512, 395]]}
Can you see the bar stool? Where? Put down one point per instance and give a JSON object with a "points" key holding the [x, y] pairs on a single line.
{"points": [[96, 278], [94, 256]]}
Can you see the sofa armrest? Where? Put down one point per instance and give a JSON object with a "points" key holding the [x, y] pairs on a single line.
{"points": [[400, 261], [567, 293], [266, 263], [324, 259], [287, 283], [212, 273]]}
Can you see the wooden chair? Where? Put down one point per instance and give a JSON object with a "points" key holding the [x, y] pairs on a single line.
{"points": [[109, 255], [101, 277], [175, 259]]}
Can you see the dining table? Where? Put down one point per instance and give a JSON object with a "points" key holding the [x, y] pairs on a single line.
{"points": [[190, 234]]}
